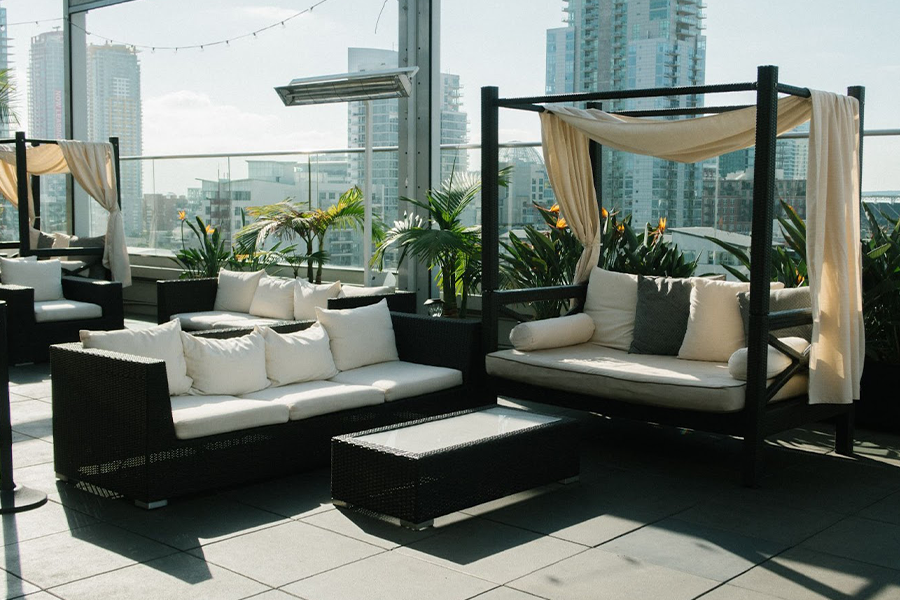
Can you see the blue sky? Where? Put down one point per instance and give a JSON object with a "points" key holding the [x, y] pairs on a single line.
{"points": [[221, 99]]}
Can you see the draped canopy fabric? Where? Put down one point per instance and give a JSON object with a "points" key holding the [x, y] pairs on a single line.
{"points": [[91, 165], [832, 204]]}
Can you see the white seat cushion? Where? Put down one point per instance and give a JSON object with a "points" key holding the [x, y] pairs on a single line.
{"points": [[353, 291], [161, 341], [399, 379], [65, 310], [218, 319], [313, 398], [651, 379], [199, 416], [235, 290]]}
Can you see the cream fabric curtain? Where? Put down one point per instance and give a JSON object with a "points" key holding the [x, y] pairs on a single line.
{"points": [[832, 203], [91, 165]]}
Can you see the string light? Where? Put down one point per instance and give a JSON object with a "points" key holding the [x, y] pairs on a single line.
{"points": [[204, 45]]}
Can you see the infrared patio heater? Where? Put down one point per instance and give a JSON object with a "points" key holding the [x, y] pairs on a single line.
{"points": [[362, 86]]}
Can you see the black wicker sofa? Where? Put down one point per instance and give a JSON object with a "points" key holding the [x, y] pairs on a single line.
{"points": [[114, 433]]}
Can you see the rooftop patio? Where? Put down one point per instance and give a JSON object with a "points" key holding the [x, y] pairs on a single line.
{"points": [[658, 513]]}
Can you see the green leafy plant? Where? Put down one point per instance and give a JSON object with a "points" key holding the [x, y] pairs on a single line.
{"points": [[442, 241], [7, 93], [646, 253], [788, 262], [208, 258], [881, 288]]}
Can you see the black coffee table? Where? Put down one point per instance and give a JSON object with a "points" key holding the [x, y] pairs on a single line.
{"points": [[413, 472]]}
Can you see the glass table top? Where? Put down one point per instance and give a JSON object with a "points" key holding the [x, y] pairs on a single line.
{"points": [[461, 429]]}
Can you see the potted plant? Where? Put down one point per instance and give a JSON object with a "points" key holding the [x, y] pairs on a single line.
{"points": [[208, 258]]}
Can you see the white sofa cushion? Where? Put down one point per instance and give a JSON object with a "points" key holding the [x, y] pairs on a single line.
{"points": [[775, 363], [44, 276], [611, 302], [300, 356], [219, 319], [353, 291], [65, 310], [595, 370], [552, 333], [274, 298], [200, 416], [313, 398], [162, 342], [399, 379], [231, 366], [309, 296], [235, 290], [359, 336]]}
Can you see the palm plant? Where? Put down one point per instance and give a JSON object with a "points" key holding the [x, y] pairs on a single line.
{"points": [[881, 288], [442, 241], [7, 91]]}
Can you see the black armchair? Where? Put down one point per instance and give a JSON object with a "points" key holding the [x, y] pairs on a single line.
{"points": [[29, 340]]}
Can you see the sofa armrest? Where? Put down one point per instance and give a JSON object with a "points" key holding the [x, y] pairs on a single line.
{"points": [[108, 294], [452, 343], [19, 321], [176, 296], [111, 411], [401, 301]]}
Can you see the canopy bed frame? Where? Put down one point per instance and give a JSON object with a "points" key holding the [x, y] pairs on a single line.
{"points": [[23, 177], [758, 419]]}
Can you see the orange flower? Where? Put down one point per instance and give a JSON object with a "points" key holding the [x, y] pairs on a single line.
{"points": [[210, 229], [554, 208], [604, 213], [182, 215], [662, 224], [561, 223], [621, 228]]}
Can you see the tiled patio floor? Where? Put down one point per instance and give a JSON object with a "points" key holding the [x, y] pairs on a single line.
{"points": [[658, 514]]}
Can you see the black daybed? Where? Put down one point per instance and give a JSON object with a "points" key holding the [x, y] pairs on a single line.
{"points": [[756, 418]]}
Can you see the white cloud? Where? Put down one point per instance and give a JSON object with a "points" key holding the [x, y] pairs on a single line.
{"points": [[267, 13]]}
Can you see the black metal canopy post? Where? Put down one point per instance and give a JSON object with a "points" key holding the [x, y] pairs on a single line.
{"points": [[22, 185], [760, 269], [596, 152], [490, 215], [36, 196], [115, 145]]}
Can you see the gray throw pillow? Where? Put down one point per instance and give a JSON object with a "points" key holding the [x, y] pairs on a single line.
{"points": [[45, 240], [87, 242], [786, 299], [661, 316]]}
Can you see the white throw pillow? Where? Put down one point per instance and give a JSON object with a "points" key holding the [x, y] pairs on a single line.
{"points": [[611, 302], [352, 291], [236, 289], [552, 333], [161, 341], [231, 366], [715, 328], [61, 240], [274, 298], [360, 336], [775, 363], [300, 356], [44, 276], [309, 296]]}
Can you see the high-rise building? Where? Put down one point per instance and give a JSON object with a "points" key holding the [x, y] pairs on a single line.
{"points": [[5, 129], [627, 44], [114, 109]]}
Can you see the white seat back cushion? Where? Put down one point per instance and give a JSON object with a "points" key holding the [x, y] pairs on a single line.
{"points": [[611, 302], [360, 336], [44, 276], [309, 296], [230, 366], [235, 290], [200, 416], [552, 333], [300, 356], [353, 291], [65, 310], [162, 342], [274, 298], [715, 330]]}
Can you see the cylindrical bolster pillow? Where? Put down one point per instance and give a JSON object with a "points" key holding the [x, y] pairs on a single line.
{"points": [[552, 333], [775, 363]]}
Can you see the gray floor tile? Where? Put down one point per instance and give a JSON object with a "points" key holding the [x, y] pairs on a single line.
{"points": [[374, 531], [730, 592], [761, 519], [296, 496], [13, 397], [272, 595], [887, 510], [33, 418], [285, 553], [389, 576], [801, 574], [40, 476], [46, 520], [598, 574], [13, 587], [186, 524], [38, 389], [504, 593], [703, 551], [64, 557], [878, 447], [491, 551], [864, 540], [32, 451], [176, 577]]}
